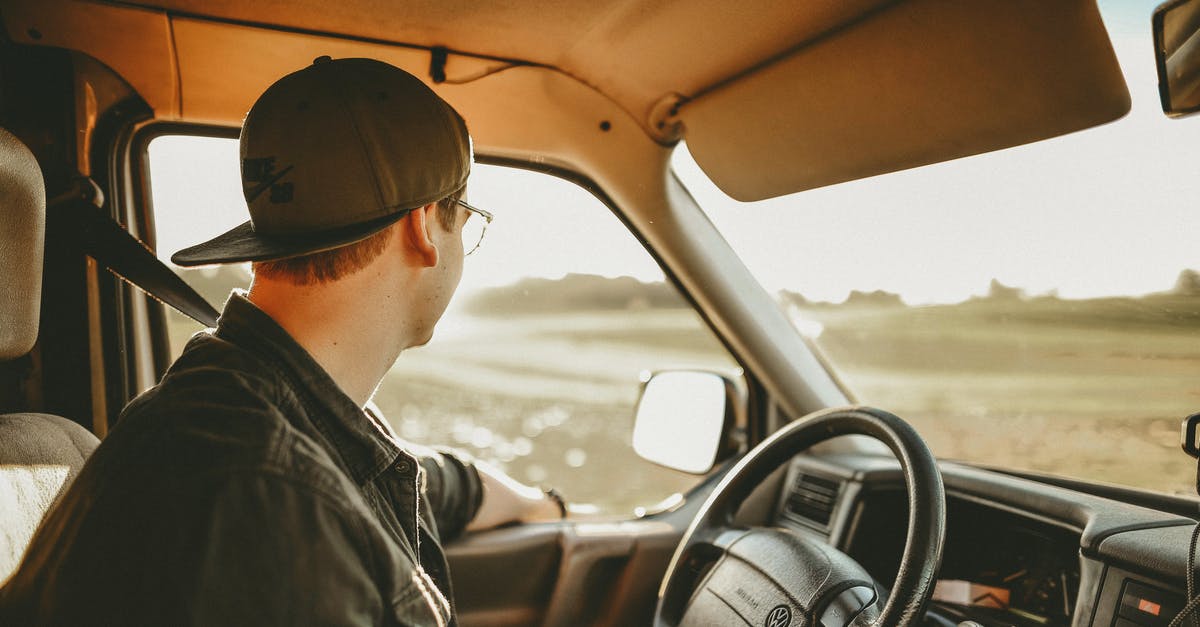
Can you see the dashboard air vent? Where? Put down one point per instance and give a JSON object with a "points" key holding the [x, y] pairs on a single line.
{"points": [[812, 499]]}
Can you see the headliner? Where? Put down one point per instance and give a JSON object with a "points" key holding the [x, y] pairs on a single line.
{"points": [[634, 52], [775, 99]]}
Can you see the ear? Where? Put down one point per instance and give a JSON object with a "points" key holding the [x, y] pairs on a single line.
{"points": [[416, 232]]}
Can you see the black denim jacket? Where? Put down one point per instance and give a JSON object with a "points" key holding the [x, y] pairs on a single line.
{"points": [[247, 489]]}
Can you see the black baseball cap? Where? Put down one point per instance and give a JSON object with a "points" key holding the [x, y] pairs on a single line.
{"points": [[334, 153]]}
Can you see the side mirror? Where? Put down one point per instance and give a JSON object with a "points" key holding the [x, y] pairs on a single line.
{"points": [[686, 419], [1176, 27]]}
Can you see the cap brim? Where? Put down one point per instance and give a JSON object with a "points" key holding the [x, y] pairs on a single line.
{"points": [[242, 243]]}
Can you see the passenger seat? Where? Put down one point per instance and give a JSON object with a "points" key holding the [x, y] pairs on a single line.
{"points": [[40, 454]]}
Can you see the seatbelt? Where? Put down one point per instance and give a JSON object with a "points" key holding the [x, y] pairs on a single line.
{"points": [[106, 241]]}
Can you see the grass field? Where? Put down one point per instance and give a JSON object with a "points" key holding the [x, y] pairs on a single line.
{"points": [[1092, 389], [550, 399]]}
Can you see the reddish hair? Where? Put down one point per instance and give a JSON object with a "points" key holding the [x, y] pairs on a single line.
{"points": [[331, 265]]}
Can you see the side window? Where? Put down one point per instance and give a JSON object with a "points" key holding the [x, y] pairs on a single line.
{"points": [[195, 187], [535, 367]]}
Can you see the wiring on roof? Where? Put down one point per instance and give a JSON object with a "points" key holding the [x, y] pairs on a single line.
{"points": [[437, 68]]}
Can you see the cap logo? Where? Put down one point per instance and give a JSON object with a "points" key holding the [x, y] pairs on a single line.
{"points": [[262, 171]]}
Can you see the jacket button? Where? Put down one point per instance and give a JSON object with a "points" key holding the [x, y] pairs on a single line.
{"points": [[403, 467]]}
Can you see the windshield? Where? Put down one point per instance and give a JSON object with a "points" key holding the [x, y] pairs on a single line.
{"points": [[1035, 308]]}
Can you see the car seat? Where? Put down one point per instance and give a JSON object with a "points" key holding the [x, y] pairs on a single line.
{"points": [[40, 454]]}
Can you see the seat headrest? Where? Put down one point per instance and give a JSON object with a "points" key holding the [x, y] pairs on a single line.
{"points": [[22, 240]]}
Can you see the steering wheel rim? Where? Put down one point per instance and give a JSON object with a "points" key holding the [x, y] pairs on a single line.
{"points": [[923, 481]]}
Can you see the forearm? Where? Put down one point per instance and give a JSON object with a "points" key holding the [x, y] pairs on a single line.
{"points": [[505, 500]]}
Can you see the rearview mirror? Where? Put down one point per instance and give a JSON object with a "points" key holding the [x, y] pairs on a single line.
{"points": [[686, 419], [1177, 51]]}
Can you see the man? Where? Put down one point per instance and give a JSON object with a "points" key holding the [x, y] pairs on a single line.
{"points": [[250, 486]]}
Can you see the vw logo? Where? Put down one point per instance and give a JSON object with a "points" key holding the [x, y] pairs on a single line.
{"points": [[780, 616]]}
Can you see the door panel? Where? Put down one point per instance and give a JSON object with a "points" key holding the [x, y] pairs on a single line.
{"points": [[561, 574]]}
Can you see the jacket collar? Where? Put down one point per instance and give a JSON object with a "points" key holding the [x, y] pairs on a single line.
{"points": [[351, 437]]}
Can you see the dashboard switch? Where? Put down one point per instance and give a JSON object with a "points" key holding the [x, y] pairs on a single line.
{"points": [[1146, 606]]}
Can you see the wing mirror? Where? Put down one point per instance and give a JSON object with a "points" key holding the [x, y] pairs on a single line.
{"points": [[688, 419], [1176, 27]]}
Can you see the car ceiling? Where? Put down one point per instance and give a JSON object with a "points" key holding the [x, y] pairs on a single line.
{"points": [[633, 51], [772, 96]]}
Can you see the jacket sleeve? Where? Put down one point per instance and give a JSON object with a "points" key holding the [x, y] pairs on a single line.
{"points": [[452, 488]]}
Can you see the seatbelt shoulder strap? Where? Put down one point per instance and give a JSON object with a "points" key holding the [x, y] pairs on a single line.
{"points": [[106, 241]]}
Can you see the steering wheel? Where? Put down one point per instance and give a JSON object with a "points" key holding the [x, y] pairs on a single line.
{"points": [[726, 575]]}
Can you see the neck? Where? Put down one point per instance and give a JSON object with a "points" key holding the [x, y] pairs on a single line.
{"points": [[354, 332]]}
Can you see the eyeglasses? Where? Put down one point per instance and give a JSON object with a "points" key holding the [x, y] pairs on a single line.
{"points": [[473, 230]]}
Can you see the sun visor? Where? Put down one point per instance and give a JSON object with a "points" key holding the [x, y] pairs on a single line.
{"points": [[917, 83]]}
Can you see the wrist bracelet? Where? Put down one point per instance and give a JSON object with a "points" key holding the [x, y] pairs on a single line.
{"points": [[555, 496]]}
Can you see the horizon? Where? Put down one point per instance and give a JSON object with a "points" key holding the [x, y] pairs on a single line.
{"points": [[995, 288]]}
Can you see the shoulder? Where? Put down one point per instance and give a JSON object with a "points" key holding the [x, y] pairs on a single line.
{"points": [[218, 409], [210, 364], [214, 384]]}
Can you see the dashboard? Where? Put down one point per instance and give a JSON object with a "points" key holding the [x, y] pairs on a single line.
{"points": [[1017, 551], [998, 567]]}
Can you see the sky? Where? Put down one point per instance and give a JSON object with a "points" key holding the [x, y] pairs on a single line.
{"points": [[1113, 210]]}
